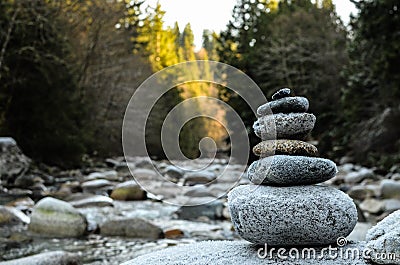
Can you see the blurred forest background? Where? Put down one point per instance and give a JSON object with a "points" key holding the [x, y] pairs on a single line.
{"points": [[68, 69]]}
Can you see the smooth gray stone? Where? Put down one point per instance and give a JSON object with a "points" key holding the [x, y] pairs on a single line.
{"points": [[284, 170], [55, 218], [131, 227], [47, 258], [243, 253], [281, 93], [280, 126], [284, 105], [384, 237], [291, 216]]}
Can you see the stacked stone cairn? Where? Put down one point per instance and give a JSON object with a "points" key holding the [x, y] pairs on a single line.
{"points": [[286, 204]]}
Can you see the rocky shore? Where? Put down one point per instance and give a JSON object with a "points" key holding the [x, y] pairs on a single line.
{"points": [[100, 215]]}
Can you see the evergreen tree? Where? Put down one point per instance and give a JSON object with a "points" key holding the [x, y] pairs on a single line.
{"points": [[297, 44], [373, 84]]}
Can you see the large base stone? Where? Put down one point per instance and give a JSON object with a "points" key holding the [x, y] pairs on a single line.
{"points": [[240, 253], [291, 216]]}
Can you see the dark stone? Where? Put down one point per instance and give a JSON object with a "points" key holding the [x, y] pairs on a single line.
{"points": [[284, 105], [281, 93]]}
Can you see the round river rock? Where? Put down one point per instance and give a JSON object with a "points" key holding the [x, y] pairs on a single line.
{"points": [[284, 170], [280, 126]]}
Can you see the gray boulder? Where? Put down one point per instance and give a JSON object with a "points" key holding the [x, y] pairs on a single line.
{"points": [[390, 189], [280, 126], [55, 218], [47, 258], [13, 162], [240, 253], [287, 170], [291, 216], [384, 240], [131, 227], [207, 207]]}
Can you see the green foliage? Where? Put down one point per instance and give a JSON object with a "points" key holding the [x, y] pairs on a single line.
{"points": [[38, 89]]}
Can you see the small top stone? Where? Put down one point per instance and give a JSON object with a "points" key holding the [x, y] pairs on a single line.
{"points": [[281, 93]]}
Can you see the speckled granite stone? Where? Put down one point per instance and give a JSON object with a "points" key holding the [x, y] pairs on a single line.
{"points": [[291, 216], [281, 93], [284, 147], [384, 237], [286, 170], [284, 105], [279, 126], [244, 253]]}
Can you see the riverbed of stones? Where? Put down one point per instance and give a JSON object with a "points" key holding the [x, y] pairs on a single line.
{"points": [[113, 219]]}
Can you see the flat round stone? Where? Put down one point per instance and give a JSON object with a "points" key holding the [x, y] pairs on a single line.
{"points": [[281, 93], [284, 105], [244, 253], [283, 170], [286, 147], [291, 216], [281, 126]]}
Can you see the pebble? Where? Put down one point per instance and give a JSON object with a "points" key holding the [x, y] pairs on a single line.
{"points": [[281, 126], [361, 192], [56, 218], [284, 105], [173, 233], [212, 209], [291, 170], [128, 191], [359, 176], [372, 206], [384, 238], [96, 186], [391, 205], [173, 172], [93, 201], [141, 174], [281, 93], [284, 147], [390, 189], [291, 216], [108, 175], [199, 177]]}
